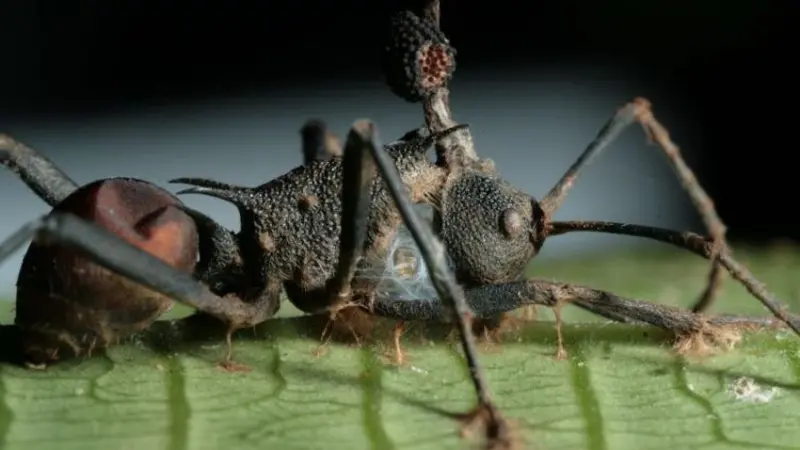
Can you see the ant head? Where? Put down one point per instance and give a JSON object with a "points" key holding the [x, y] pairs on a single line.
{"points": [[491, 229]]}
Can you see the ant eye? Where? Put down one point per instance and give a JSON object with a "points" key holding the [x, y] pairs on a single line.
{"points": [[511, 223]]}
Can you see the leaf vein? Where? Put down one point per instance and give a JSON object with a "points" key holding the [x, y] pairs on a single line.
{"points": [[6, 415], [178, 405], [587, 400], [715, 420], [371, 383]]}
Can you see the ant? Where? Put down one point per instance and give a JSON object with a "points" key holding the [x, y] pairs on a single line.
{"points": [[114, 254]]}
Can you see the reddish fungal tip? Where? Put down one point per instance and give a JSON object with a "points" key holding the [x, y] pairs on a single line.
{"points": [[417, 58]]}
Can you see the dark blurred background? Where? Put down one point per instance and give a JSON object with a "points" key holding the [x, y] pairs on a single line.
{"points": [[161, 89]]}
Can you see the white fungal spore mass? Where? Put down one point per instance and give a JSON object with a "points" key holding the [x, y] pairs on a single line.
{"points": [[403, 274]]}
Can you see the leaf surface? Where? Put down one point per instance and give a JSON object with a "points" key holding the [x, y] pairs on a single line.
{"points": [[621, 387]]}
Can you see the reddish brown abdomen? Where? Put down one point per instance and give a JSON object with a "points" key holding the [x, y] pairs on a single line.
{"points": [[69, 306]]}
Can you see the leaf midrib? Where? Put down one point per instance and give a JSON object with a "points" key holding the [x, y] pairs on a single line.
{"points": [[179, 409], [589, 404], [6, 415]]}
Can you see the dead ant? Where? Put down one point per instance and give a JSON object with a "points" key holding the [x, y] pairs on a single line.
{"points": [[112, 255]]}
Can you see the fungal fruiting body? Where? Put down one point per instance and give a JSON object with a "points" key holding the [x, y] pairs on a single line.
{"points": [[417, 58]]}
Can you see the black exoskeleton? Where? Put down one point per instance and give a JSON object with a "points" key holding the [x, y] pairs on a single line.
{"points": [[491, 229], [291, 227], [114, 254]]}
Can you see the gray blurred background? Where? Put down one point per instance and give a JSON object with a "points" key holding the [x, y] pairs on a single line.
{"points": [[162, 90]]}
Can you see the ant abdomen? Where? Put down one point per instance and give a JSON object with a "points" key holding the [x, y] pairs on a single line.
{"points": [[68, 306]]}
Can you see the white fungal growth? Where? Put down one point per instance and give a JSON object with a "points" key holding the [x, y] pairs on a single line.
{"points": [[403, 274], [745, 389]]}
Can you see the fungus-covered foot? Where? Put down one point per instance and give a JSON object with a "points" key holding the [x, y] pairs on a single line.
{"points": [[498, 431], [228, 364], [561, 352], [708, 340], [398, 355]]}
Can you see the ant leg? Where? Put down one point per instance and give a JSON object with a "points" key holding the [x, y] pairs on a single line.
{"points": [[319, 143], [702, 202], [112, 252], [679, 321], [639, 111], [451, 294], [561, 353], [696, 244], [39, 173], [358, 174], [623, 118], [490, 300], [399, 355]]}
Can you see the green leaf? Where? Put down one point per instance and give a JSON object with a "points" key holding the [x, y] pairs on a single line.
{"points": [[621, 387]]}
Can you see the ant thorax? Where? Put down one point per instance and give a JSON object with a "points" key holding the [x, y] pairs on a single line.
{"points": [[403, 274]]}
